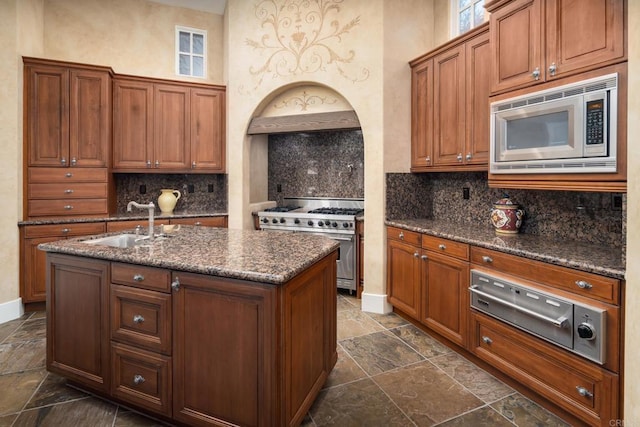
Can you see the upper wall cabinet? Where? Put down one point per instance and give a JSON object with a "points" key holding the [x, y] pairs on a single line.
{"points": [[162, 126], [68, 114], [533, 41], [450, 105]]}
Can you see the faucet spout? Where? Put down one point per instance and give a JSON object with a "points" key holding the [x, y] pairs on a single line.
{"points": [[150, 207]]}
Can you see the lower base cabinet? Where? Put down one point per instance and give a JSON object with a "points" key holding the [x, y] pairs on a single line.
{"points": [[197, 349]]}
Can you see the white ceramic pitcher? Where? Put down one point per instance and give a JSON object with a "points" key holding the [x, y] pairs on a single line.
{"points": [[168, 199]]}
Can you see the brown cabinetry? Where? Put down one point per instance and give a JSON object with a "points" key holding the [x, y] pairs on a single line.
{"points": [[166, 126], [217, 221], [537, 40], [404, 271], [33, 261], [450, 105]]}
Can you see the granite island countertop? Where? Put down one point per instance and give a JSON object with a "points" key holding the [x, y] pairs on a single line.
{"points": [[138, 214], [272, 258], [591, 258]]}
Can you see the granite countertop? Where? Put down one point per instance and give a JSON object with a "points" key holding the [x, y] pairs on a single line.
{"points": [[272, 258], [138, 214], [591, 258]]}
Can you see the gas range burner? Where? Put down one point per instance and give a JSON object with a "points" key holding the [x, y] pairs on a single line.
{"points": [[337, 211], [282, 208]]}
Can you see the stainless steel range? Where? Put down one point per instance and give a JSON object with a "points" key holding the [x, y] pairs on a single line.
{"points": [[333, 218]]}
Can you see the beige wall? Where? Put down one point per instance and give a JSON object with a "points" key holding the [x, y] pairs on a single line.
{"points": [[131, 36]]}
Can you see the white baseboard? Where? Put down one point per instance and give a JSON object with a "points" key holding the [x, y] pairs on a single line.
{"points": [[375, 303], [11, 310]]}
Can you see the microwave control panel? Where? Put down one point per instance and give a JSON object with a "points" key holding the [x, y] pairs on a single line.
{"points": [[595, 124]]}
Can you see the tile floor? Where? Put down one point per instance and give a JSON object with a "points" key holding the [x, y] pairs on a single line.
{"points": [[389, 373]]}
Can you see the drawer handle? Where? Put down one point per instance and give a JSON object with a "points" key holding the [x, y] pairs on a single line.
{"points": [[424, 257], [68, 207], [401, 236], [138, 318], [198, 223], [68, 174], [138, 379], [68, 191], [175, 285], [66, 230], [487, 340], [583, 391], [442, 246], [138, 277], [583, 284], [486, 258]]}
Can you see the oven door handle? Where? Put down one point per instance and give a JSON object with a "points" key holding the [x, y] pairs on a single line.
{"points": [[344, 239], [558, 323]]}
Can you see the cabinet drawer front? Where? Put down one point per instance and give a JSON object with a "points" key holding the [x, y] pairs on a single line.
{"points": [[95, 190], [49, 175], [65, 207], [64, 230], [141, 377], [126, 225], [591, 285], [410, 237], [141, 317], [446, 246], [218, 221], [559, 377], [151, 278]]}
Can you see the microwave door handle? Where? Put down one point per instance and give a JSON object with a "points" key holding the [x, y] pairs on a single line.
{"points": [[558, 323]]}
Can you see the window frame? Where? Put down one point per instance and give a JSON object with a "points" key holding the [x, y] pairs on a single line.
{"points": [[191, 31], [455, 14]]}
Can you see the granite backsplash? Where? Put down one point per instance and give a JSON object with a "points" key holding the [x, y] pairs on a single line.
{"points": [[319, 164], [209, 190], [563, 215]]}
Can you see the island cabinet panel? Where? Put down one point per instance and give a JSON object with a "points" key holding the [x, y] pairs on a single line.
{"points": [[224, 351], [78, 320]]}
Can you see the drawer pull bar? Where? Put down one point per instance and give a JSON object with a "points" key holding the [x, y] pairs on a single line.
{"points": [[583, 285], [138, 318], [558, 323], [487, 340], [138, 379], [138, 277], [583, 391], [486, 258], [442, 246]]}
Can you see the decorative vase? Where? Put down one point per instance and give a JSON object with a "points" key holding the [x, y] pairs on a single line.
{"points": [[506, 216], [168, 199]]}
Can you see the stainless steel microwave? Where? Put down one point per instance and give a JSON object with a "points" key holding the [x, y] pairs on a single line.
{"points": [[565, 129]]}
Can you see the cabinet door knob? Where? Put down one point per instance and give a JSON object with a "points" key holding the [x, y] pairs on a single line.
{"points": [[401, 236], [66, 230], [583, 284], [193, 165], [148, 163], [459, 157], [63, 161], [175, 285], [553, 69], [486, 258], [138, 379], [157, 163], [74, 161], [198, 223], [487, 340], [416, 254], [468, 156], [442, 246], [138, 277], [427, 159], [424, 257], [138, 318], [68, 174], [583, 391], [68, 191], [536, 74]]}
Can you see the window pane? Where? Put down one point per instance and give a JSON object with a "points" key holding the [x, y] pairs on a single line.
{"points": [[198, 44], [185, 66], [464, 20], [185, 42], [478, 12], [463, 3], [198, 66]]}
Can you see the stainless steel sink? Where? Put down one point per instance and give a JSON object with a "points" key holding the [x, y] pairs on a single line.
{"points": [[118, 241]]}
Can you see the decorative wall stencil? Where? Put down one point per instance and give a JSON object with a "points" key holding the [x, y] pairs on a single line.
{"points": [[304, 101], [304, 37]]}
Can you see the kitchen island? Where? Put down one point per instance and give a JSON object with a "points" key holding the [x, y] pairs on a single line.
{"points": [[203, 326]]}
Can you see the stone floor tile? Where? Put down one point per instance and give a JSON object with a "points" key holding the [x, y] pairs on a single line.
{"points": [[84, 412], [38, 315], [357, 404], [29, 330], [380, 352], [7, 420], [22, 356], [307, 421], [479, 382], [346, 370], [389, 320], [344, 304], [484, 416], [54, 390], [426, 394], [127, 418], [525, 413], [18, 389], [354, 323], [7, 328], [420, 341]]}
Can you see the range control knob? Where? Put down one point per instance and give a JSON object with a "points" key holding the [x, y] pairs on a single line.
{"points": [[585, 330], [320, 223], [282, 220], [345, 224], [296, 221], [309, 223], [274, 220], [265, 220], [335, 224]]}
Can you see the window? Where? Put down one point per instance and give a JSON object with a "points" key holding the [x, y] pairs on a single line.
{"points": [[465, 15], [191, 48]]}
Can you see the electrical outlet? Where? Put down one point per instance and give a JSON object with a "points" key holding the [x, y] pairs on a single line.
{"points": [[190, 188], [210, 188], [143, 189], [465, 193], [279, 188], [616, 202]]}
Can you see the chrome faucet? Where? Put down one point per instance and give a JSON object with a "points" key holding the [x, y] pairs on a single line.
{"points": [[151, 207]]}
